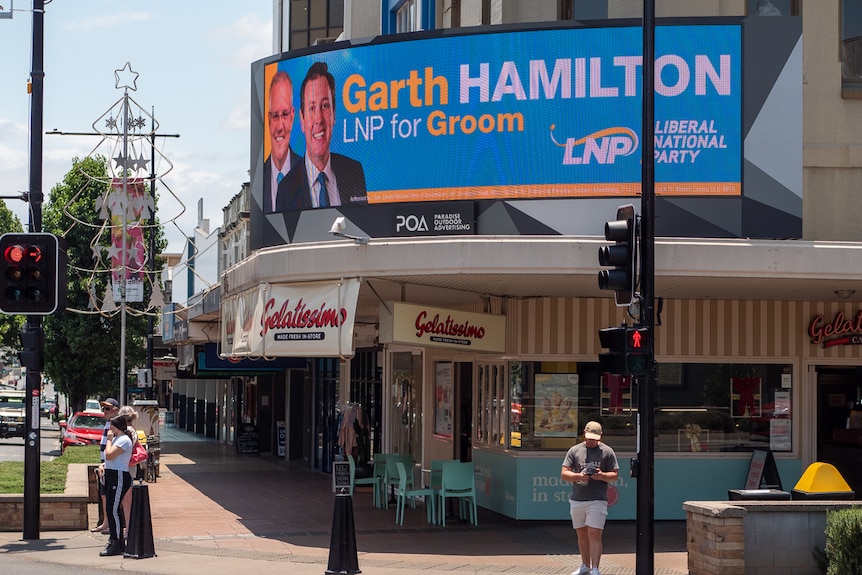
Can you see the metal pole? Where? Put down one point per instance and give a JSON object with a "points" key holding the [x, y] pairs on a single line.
{"points": [[123, 255], [152, 250], [33, 382], [645, 547]]}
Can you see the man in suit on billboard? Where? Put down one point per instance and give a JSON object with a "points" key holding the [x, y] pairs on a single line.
{"points": [[281, 158], [322, 179]]}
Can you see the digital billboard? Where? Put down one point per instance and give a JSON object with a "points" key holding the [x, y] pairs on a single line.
{"points": [[498, 115], [543, 113]]}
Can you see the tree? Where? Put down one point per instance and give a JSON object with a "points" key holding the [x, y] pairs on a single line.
{"points": [[10, 325], [82, 344]]}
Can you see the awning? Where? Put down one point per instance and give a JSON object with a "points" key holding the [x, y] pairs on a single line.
{"points": [[312, 319]]}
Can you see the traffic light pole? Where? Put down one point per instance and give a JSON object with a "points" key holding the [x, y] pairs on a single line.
{"points": [[33, 380], [645, 547]]}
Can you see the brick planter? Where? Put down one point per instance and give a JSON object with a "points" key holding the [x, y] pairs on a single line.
{"points": [[58, 512], [756, 537]]}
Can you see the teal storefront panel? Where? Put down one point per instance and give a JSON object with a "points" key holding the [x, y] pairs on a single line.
{"points": [[529, 486]]}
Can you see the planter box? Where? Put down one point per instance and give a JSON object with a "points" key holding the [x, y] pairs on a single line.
{"points": [[58, 512]]}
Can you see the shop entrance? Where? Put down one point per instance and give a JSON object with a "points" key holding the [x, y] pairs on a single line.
{"points": [[839, 390], [405, 412]]}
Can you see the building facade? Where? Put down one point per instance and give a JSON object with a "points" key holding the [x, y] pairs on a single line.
{"points": [[758, 338]]}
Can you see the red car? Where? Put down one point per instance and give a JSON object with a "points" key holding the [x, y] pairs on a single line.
{"points": [[83, 428]]}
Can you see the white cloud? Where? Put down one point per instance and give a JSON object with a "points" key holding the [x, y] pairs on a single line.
{"points": [[108, 21]]}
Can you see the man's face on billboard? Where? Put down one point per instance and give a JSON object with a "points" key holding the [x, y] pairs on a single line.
{"points": [[280, 121], [316, 119]]}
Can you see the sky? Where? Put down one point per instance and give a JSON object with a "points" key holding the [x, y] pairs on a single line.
{"points": [[193, 60]]}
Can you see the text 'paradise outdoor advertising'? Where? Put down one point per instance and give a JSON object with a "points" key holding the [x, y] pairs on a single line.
{"points": [[527, 114]]}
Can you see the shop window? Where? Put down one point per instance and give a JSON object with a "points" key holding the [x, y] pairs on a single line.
{"points": [[700, 407], [492, 406]]}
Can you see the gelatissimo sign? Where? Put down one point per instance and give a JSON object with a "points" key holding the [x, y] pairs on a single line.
{"points": [[313, 319], [437, 327], [840, 330]]}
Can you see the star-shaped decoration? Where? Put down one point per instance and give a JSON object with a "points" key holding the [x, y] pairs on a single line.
{"points": [[125, 76], [111, 123], [120, 160], [140, 163]]}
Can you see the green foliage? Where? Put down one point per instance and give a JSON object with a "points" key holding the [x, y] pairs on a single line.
{"points": [[844, 541], [10, 325], [82, 346], [52, 474]]}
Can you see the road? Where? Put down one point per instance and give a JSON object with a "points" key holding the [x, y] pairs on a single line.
{"points": [[12, 449]]}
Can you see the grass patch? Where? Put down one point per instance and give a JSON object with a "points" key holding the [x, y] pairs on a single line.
{"points": [[52, 474]]}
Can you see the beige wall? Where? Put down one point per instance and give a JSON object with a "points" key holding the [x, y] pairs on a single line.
{"points": [[362, 18], [690, 328]]}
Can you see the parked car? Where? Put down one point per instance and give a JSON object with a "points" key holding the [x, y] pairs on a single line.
{"points": [[12, 405], [83, 428], [93, 406]]}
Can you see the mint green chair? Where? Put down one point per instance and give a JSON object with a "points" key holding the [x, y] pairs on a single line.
{"points": [[376, 481], [458, 482], [391, 479], [435, 481], [404, 492]]}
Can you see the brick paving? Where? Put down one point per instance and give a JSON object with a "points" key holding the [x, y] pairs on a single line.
{"points": [[210, 501]]}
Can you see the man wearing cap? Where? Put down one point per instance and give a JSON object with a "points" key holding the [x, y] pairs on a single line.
{"points": [[110, 408], [590, 466]]}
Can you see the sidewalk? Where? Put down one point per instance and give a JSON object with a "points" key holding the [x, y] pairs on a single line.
{"points": [[216, 512]]}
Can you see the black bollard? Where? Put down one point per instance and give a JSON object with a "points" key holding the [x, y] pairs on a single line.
{"points": [[139, 544], [342, 543]]}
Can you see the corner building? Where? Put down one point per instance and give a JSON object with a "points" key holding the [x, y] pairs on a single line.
{"points": [[462, 284]]}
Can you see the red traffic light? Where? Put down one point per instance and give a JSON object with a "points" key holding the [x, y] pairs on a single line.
{"points": [[635, 339], [17, 253], [31, 282]]}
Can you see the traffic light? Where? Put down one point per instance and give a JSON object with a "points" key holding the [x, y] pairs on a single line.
{"points": [[637, 351], [32, 354], [33, 281], [614, 340], [621, 256]]}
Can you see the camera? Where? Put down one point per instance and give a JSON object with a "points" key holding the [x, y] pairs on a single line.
{"points": [[590, 469]]}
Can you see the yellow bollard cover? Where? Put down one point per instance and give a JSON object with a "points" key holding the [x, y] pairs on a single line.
{"points": [[822, 478]]}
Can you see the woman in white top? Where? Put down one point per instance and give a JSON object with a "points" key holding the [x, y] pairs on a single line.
{"points": [[118, 480], [131, 415]]}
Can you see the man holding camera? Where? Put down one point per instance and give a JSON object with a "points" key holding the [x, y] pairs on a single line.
{"points": [[590, 466]]}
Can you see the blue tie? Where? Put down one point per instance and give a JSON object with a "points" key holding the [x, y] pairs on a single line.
{"points": [[322, 197], [279, 178]]}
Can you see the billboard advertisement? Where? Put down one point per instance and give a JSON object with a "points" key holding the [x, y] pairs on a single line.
{"points": [[533, 114], [490, 115]]}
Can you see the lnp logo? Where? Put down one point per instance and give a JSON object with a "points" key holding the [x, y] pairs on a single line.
{"points": [[603, 145], [411, 223]]}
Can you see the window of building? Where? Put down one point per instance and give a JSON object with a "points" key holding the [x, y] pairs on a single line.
{"points": [[774, 7], [407, 17], [851, 43], [700, 407], [315, 20], [583, 9]]}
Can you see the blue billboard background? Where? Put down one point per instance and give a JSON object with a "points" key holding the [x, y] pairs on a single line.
{"points": [[533, 114]]}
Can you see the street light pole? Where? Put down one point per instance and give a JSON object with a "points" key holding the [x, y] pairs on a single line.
{"points": [[33, 381]]}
